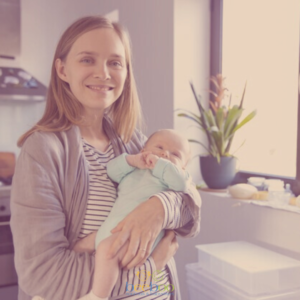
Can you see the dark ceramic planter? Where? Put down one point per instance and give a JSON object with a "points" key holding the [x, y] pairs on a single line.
{"points": [[218, 175]]}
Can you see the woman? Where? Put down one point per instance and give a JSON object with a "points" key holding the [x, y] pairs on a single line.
{"points": [[60, 190]]}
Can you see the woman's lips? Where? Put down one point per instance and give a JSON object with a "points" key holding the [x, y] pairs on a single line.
{"points": [[100, 88]]}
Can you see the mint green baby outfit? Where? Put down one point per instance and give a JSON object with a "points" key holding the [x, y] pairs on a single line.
{"points": [[136, 186]]}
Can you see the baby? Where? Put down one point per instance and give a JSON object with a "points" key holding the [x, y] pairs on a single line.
{"points": [[159, 166]]}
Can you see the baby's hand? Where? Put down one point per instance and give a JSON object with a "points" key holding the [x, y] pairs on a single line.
{"points": [[137, 161], [151, 160]]}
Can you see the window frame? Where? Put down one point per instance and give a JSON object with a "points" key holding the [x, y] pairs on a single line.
{"points": [[216, 68]]}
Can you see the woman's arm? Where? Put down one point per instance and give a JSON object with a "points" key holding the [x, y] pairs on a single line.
{"points": [[140, 227], [178, 214], [44, 263], [165, 210], [165, 250]]}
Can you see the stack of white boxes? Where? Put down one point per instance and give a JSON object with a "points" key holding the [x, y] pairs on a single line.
{"points": [[242, 271]]}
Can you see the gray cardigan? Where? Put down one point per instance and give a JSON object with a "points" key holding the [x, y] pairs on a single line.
{"points": [[48, 204]]}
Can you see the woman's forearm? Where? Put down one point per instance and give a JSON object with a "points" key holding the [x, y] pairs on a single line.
{"points": [[177, 213]]}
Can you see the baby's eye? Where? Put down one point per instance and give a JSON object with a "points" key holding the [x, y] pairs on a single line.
{"points": [[176, 154], [159, 147]]}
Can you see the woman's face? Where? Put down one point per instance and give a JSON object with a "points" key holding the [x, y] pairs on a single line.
{"points": [[95, 69]]}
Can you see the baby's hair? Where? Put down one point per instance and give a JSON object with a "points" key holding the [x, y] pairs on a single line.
{"points": [[189, 154]]}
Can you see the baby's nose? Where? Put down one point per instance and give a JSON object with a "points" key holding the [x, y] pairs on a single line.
{"points": [[165, 153]]}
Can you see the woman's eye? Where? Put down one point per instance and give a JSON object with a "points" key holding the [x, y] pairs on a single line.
{"points": [[116, 64], [87, 60]]}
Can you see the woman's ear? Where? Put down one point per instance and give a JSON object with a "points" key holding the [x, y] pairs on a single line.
{"points": [[60, 69]]}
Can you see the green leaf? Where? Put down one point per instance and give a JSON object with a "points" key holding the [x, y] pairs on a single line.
{"points": [[211, 118], [204, 121], [220, 118], [233, 116], [239, 147], [188, 112], [242, 99], [197, 142], [219, 141], [191, 117], [245, 121]]}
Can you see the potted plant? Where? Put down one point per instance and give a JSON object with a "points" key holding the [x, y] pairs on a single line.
{"points": [[220, 123]]}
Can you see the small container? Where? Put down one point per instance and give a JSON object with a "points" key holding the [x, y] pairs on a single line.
{"points": [[288, 194], [202, 286], [258, 182], [276, 190], [249, 268], [295, 201]]}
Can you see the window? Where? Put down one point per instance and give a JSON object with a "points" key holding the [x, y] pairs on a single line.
{"points": [[258, 41]]}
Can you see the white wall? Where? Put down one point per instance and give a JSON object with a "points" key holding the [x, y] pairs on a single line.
{"points": [[191, 63]]}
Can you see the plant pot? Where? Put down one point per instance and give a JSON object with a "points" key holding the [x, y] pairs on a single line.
{"points": [[218, 175]]}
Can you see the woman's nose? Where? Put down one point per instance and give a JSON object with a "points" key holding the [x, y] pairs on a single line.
{"points": [[102, 72]]}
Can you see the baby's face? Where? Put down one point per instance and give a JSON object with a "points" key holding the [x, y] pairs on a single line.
{"points": [[170, 145]]}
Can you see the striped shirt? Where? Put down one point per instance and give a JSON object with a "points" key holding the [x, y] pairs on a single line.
{"points": [[102, 191], [136, 283]]}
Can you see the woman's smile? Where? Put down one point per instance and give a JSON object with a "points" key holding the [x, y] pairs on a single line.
{"points": [[100, 88]]}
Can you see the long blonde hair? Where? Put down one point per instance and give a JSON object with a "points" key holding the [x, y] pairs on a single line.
{"points": [[63, 109]]}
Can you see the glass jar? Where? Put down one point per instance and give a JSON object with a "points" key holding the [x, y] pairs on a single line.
{"points": [[258, 182], [276, 190]]}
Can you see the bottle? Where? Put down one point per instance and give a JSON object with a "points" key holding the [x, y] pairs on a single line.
{"points": [[288, 194]]}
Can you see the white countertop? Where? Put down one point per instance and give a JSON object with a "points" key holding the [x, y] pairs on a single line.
{"points": [[281, 206]]}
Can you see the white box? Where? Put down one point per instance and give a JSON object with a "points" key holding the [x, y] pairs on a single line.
{"points": [[204, 286], [250, 268]]}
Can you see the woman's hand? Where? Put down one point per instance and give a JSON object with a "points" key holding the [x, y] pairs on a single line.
{"points": [[165, 249], [86, 244], [140, 228]]}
